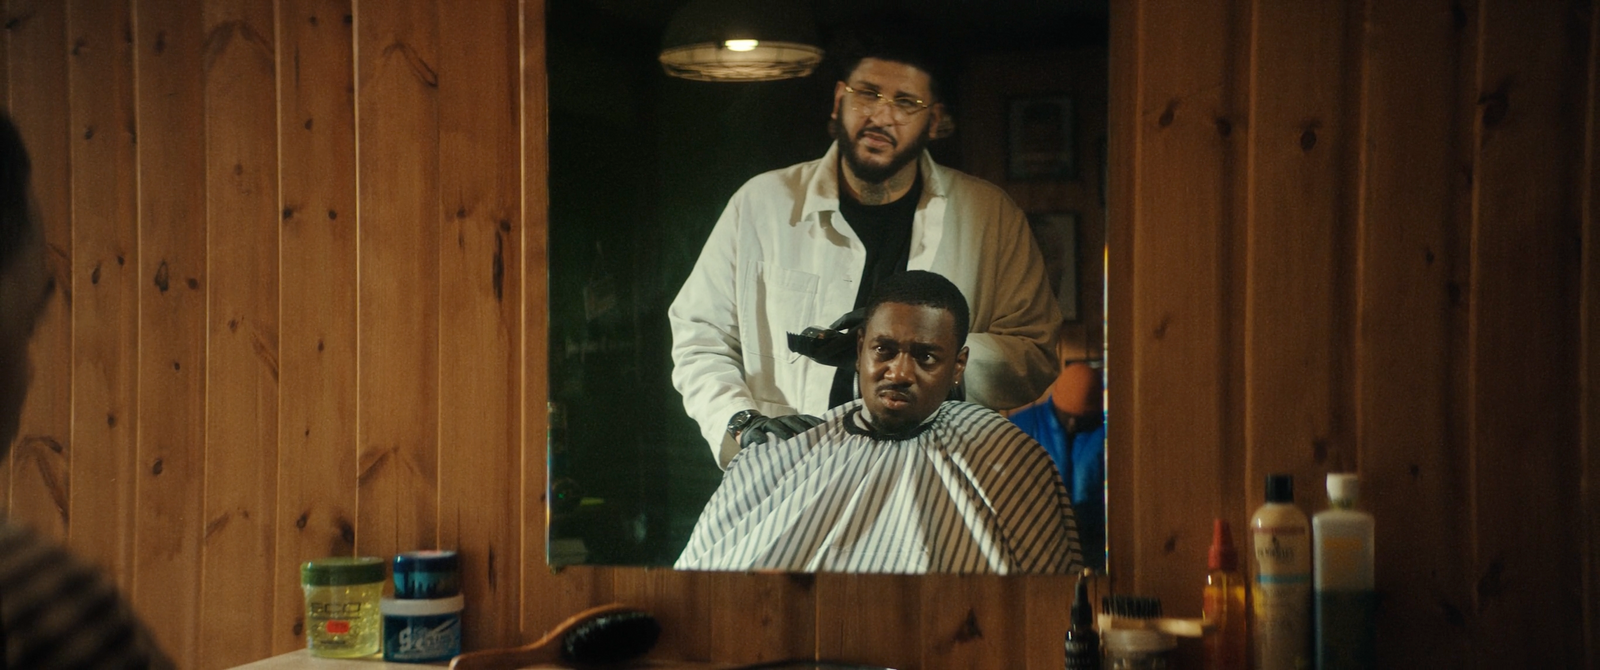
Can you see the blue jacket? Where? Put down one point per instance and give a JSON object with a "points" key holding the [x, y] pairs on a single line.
{"points": [[1080, 458]]}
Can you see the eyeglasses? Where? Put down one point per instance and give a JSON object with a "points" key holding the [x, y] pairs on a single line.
{"points": [[867, 102]]}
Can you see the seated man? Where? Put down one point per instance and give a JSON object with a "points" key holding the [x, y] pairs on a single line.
{"points": [[1069, 423], [900, 481]]}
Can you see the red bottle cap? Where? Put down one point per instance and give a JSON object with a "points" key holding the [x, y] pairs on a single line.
{"points": [[1223, 557]]}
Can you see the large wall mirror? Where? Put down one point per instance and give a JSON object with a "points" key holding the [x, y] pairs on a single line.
{"points": [[642, 164]]}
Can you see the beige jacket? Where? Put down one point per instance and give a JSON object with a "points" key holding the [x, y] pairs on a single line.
{"points": [[782, 258]]}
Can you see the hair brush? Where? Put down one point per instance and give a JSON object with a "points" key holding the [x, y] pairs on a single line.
{"points": [[1143, 612], [598, 636]]}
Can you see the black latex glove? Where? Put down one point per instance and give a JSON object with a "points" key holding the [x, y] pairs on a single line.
{"points": [[780, 427]]}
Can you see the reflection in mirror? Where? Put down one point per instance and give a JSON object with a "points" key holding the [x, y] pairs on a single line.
{"points": [[642, 165]]}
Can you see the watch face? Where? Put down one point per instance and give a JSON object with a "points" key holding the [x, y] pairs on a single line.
{"points": [[740, 420]]}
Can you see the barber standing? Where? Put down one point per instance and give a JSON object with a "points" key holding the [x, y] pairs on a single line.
{"points": [[803, 245]]}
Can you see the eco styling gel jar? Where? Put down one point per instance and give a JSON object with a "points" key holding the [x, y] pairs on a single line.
{"points": [[342, 615]]}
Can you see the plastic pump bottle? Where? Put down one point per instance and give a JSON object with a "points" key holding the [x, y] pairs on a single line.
{"points": [[1281, 592], [1345, 589], [1226, 644]]}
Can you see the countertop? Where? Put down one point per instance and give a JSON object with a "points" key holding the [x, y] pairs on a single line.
{"points": [[303, 660]]}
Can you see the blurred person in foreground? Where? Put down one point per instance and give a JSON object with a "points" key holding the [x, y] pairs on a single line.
{"points": [[55, 610]]}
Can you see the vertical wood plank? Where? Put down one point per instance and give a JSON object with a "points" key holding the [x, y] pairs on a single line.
{"points": [[5, 72], [1524, 294], [870, 619], [397, 100], [972, 622], [316, 514], [539, 583], [548, 597], [1182, 134], [1295, 222], [1468, 22], [1122, 122], [1407, 438], [1589, 356], [104, 276], [1239, 126], [1046, 617], [241, 457], [762, 617], [41, 459], [479, 352], [5, 87], [169, 493], [8, 466]]}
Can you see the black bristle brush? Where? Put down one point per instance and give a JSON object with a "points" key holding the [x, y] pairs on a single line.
{"points": [[594, 637], [1131, 607]]}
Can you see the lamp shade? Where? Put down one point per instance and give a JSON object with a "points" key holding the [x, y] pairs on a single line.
{"points": [[740, 40]]}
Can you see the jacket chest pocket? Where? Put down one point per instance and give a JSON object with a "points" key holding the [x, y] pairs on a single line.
{"points": [[776, 301]]}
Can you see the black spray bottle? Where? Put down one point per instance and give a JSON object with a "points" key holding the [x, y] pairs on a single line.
{"points": [[1083, 643]]}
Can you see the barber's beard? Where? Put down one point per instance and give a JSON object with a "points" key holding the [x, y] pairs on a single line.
{"points": [[874, 174]]}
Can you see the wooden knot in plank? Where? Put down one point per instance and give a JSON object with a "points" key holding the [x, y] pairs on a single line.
{"points": [[163, 278], [969, 629], [419, 67], [1495, 106], [1169, 114]]}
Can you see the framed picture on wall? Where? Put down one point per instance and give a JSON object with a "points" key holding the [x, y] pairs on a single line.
{"points": [[1040, 139], [1056, 233]]}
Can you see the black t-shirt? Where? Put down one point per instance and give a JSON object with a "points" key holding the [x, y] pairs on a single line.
{"points": [[885, 230]]}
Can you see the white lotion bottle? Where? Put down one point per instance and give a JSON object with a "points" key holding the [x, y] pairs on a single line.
{"points": [[1280, 587], [1345, 589]]}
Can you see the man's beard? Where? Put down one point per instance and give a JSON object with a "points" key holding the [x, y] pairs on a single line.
{"points": [[873, 174]]}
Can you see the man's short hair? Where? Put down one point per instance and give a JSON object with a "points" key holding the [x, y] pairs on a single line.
{"points": [[16, 219], [923, 288], [894, 38]]}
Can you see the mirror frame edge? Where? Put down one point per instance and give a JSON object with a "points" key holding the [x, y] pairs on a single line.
{"points": [[1122, 97], [1121, 363]]}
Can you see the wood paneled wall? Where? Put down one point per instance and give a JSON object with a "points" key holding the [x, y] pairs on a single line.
{"points": [[302, 248], [290, 237], [1351, 237]]}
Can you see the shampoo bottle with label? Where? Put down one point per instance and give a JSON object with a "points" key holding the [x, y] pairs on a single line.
{"points": [[1281, 590], [1345, 597]]}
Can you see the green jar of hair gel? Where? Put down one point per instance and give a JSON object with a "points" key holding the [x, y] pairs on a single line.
{"points": [[342, 615]]}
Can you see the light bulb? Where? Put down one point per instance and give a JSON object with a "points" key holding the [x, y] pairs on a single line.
{"points": [[741, 45]]}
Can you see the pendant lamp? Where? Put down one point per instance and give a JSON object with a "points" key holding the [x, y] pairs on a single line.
{"points": [[740, 40]]}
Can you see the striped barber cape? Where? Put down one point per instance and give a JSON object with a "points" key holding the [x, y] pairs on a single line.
{"points": [[966, 492]]}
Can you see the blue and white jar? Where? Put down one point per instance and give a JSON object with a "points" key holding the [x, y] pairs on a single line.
{"points": [[422, 631]]}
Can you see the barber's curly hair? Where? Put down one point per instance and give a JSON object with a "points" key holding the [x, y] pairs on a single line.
{"points": [[923, 288], [16, 222], [898, 38]]}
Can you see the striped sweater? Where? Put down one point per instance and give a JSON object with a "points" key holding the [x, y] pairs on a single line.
{"points": [[58, 612]]}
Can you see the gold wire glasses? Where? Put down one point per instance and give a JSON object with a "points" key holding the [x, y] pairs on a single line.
{"points": [[868, 101]]}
